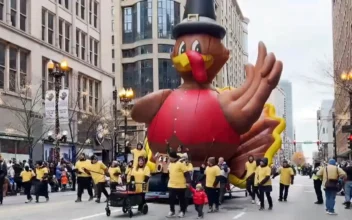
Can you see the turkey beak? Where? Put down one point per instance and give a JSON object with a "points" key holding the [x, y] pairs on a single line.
{"points": [[182, 62]]}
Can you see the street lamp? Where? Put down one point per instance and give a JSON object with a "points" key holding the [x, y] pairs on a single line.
{"points": [[126, 96], [347, 77], [57, 71]]}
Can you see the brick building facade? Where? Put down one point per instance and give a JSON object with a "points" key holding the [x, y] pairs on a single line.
{"points": [[342, 44]]}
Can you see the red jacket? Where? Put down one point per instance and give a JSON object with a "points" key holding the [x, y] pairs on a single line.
{"points": [[199, 197]]}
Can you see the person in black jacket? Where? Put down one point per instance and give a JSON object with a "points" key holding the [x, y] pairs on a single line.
{"points": [[348, 184], [3, 174]]}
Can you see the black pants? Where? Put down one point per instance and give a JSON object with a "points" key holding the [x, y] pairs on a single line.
{"points": [[213, 196], [113, 186], [18, 181], [199, 209], [256, 192], [283, 191], [318, 192], [179, 194], [27, 189], [84, 183], [250, 186], [222, 192], [101, 189], [268, 197], [42, 190]]}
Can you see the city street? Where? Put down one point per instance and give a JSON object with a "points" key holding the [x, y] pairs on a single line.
{"points": [[62, 207]]}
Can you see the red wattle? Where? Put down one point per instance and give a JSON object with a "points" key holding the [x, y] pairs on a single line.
{"points": [[198, 66]]}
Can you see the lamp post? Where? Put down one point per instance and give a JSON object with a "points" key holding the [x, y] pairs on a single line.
{"points": [[348, 77], [115, 145], [126, 96], [57, 71]]}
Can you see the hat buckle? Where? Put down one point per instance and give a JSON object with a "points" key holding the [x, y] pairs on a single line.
{"points": [[193, 17]]}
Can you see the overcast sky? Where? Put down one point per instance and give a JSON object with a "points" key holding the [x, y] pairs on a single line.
{"points": [[299, 32]]}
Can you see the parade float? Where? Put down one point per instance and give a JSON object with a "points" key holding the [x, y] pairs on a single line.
{"points": [[232, 123]]}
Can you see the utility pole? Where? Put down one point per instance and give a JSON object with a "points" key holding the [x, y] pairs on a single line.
{"points": [[334, 134], [350, 95]]}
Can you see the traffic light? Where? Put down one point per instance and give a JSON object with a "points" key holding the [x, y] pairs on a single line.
{"points": [[294, 143], [318, 143], [350, 141]]}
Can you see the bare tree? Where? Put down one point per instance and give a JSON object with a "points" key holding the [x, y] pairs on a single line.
{"points": [[28, 110]]}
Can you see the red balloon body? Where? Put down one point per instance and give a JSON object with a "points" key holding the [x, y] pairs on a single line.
{"points": [[194, 119]]}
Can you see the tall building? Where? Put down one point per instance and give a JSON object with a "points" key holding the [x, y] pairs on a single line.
{"points": [[287, 88], [342, 18], [324, 129], [74, 31], [142, 43], [229, 14], [299, 147], [278, 99]]}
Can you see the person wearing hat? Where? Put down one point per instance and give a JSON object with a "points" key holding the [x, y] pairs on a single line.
{"points": [[138, 152], [3, 174], [199, 199], [286, 178], [179, 179], [98, 171], [84, 180], [212, 184], [264, 183], [250, 167], [115, 175], [42, 174]]}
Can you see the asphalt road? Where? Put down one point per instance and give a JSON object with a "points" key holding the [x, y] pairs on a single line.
{"points": [[62, 207]]}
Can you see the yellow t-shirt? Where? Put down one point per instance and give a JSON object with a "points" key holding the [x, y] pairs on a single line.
{"points": [[256, 177], [177, 177], [139, 175], [112, 171], [189, 167], [40, 172], [211, 173], [83, 164], [97, 171], [286, 175], [262, 173], [250, 167], [27, 175], [136, 154]]}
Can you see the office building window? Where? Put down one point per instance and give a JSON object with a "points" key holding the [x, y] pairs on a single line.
{"points": [[112, 39], [168, 17], [113, 53], [65, 3], [168, 76], [13, 6], [145, 49], [93, 51], [64, 35], [48, 26], [93, 13], [113, 67], [81, 9], [2, 8], [165, 48], [44, 72], [81, 44], [137, 22], [88, 91], [23, 15], [112, 26], [16, 66], [139, 77], [2, 64]]}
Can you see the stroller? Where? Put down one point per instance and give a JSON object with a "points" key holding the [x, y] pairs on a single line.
{"points": [[127, 198]]}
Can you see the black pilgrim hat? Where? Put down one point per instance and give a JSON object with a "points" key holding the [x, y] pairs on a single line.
{"points": [[199, 18]]}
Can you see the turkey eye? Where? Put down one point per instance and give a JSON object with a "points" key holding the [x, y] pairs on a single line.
{"points": [[182, 48], [160, 159], [196, 46]]}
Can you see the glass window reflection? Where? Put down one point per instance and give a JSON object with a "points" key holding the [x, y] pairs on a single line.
{"points": [[137, 22], [168, 17], [165, 48], [145, 49], [139, 77], [168, 76]]}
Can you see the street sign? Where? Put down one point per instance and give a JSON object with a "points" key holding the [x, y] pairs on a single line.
{"points": [[308, 142]]}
